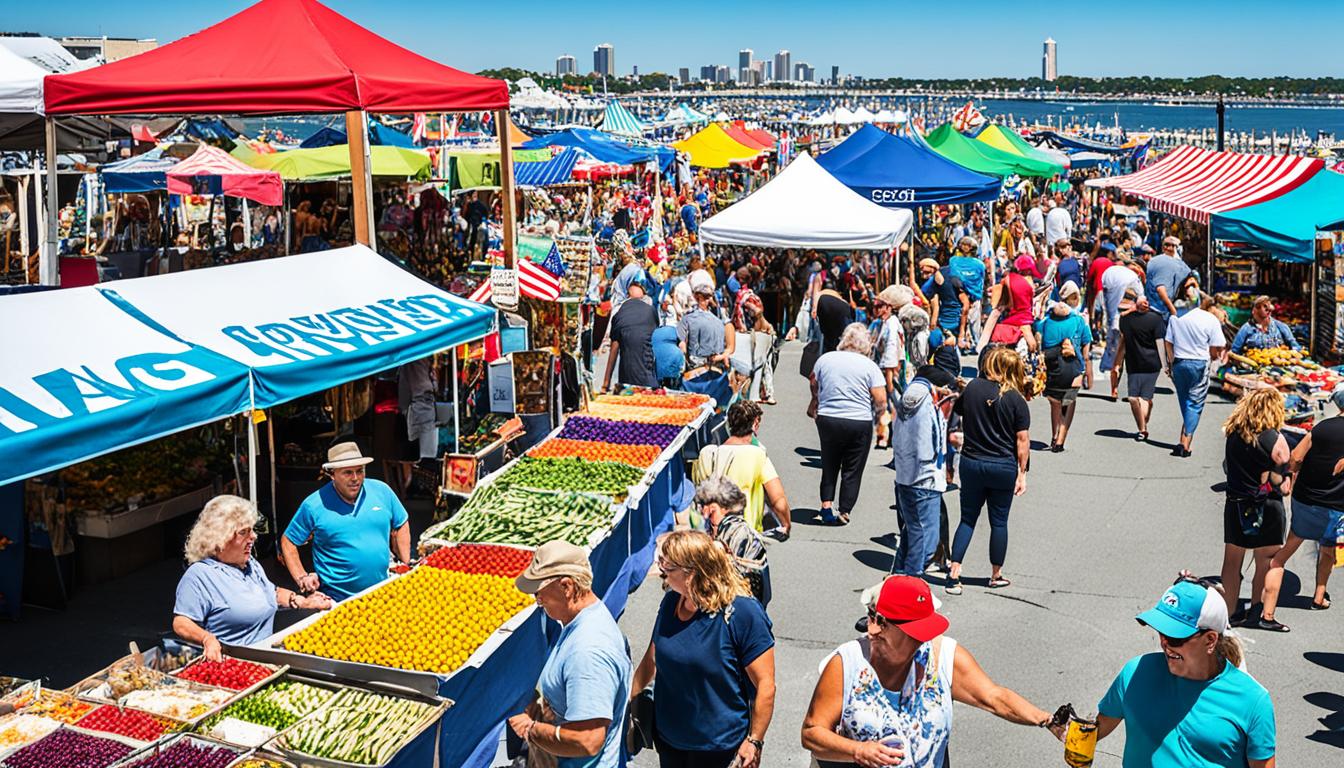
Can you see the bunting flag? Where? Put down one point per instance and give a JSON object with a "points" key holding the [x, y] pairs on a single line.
{"points": [[482, 293], [967, 118]]}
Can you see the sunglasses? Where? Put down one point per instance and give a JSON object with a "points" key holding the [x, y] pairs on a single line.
{"points": [[1177, 642], [664, 565]]}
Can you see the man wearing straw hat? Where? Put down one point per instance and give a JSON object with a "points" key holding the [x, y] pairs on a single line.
{"points": [[350, 522]]}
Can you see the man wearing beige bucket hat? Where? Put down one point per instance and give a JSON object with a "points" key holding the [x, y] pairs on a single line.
{"points": [[585, 683], [350, 522]]}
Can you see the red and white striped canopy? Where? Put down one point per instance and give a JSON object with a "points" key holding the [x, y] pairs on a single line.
{"points": [[1196, 183], [237, 179]]}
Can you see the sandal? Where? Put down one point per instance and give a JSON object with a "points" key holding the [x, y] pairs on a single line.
{"points": [[953, 587], [843, 518], [1325, 606], [1269, 625], [1141, 437], [999, 583]]}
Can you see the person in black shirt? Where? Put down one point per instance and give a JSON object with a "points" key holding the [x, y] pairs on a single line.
{"points": [[632, 330], [1256, 457], [832, 313], [1318, 506], [1141, 334], [996, 442]]}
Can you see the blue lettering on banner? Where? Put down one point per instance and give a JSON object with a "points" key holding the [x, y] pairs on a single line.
{"points": [[83, 391], [893, 195]]}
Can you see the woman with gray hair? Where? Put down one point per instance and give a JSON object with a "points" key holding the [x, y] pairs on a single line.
{"points": [[849, 394], [225, 596], [720, 503]]}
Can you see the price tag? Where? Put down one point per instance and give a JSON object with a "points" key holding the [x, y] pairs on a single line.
{"points": [[504, 288]]}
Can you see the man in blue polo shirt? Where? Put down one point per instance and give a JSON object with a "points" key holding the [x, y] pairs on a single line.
{"points": [[1190, 706], [350, 522]]}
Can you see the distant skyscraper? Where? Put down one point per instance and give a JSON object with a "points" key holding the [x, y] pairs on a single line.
{"points": [[768, 67], [604, 60], [804, 72], [634, 71], [756, 74], [783, 65], [565, 65], [709, 73], [835, 74], [1049, 63], [684, 75], [744, 57], [723, 74]]}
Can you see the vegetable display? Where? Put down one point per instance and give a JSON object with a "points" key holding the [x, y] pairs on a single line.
{"points": [[180, 701], [234, 674], [68, 749], [277, 706], [430, 620], [689, 400], [17, 730], [480, 558], [515, 515], [623, 432], [59, 706], [643, 414], [123, 678], [572, 474], [358, 727], [130, 723], [259, 762], [642, 456], [187, 754]]}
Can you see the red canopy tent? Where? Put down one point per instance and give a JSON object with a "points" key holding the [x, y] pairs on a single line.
{"points": [[236, 178], [764, 137], [743, 136], [282, 57]]}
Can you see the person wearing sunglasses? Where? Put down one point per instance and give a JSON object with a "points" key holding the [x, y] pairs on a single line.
{"points": [[225, 595], [1190, 705], [886, 698]]}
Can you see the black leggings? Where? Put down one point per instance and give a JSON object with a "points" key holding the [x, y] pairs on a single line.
{"points": [[671, 757], [844, 452]]}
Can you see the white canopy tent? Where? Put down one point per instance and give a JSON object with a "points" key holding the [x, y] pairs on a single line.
{"points": [[806, 207], [20, 84], [863, 115], [844, 116]]}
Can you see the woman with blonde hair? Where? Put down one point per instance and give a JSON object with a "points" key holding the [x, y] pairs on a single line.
{"points": [[225, 596], [849, 396], [1256, 461], [713, 653], [996, 444]]}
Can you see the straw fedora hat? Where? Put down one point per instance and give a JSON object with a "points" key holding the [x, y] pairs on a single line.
{"points": [[343, 455]]}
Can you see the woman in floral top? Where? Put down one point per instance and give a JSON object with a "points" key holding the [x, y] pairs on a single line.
{"points": [[886, 699]]}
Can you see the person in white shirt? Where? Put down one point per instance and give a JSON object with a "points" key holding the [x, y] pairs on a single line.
{"points": [[1194, 341], [1036, 220], [1058, 224], [1117, 283]]}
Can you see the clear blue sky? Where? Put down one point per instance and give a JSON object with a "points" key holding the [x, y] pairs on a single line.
{"points": [[970, 38]]}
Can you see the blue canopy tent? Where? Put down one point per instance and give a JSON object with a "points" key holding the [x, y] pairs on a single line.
{"points": [[901, 172], [1075, 144], [606, 148], [139, 174], [379, 135], [542, 173], [1286, 226]]}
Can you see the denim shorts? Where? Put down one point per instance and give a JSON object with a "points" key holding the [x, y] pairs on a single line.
{"points": [[1312, 522]]}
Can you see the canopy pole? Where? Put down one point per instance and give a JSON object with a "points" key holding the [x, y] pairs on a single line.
{"points": [[251, 439], [48, 262], [457, 441], [357, 137], [506, 184], [247, 227], [275, 514], [24, 182]]}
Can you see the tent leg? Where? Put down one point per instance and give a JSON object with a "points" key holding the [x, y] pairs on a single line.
{"points": [[275, 513], [457, 439], [252, 456], [506, 184], [247, 226], [49, 261], [24, 183], [357, 134]]}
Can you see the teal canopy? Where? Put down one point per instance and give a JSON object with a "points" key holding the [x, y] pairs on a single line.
{"points": [[1286, 226]]}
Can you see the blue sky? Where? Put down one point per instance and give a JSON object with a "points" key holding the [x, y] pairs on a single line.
{"points": [[972, 38]]}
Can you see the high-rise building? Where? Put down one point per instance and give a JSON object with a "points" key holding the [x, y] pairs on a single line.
{"points": [[684, 75], [709, 73], [744, 58], [769, 68], [835, 74], [804, 72], [783, 65], [1049, 63], [634, 71], [757, 73], [723, 74], [604, 60], [566, 65]]}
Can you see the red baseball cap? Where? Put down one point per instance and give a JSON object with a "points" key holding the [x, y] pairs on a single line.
{"points": [[907, 603]]}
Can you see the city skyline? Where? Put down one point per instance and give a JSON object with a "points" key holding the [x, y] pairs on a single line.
{"points": [[869, 38]]}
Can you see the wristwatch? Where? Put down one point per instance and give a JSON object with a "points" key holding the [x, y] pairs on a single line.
{"points": [[759, 744]]}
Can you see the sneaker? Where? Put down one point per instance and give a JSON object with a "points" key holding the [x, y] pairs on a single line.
{"points": [[776, 534]]}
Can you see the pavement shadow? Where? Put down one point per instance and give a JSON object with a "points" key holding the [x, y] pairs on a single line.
{"points": [[811, 458], [1164, 390], [1037, 445], [1332, 724], [1096, 396], [1119, 434], [878, 561], [1328, 659], [887, 540], [1219, 487], [807, 516]]}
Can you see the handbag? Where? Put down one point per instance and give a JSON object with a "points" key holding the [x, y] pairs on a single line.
{"points": [[808, 361], [639, 723]]}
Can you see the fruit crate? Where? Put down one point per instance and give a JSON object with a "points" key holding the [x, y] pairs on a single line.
{"points": [[23, 720], [276, 671], [130, 744], [302, 760], [290, 677], [140, 756], [170, 725]]}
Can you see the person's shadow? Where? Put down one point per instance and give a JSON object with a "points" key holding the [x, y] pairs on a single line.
{"points": [[811, 457], [1332, 724]]}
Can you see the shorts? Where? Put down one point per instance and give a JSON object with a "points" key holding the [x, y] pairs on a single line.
{"points": [[1237, 514], [1108, 361], [1064, 396], [1313, 522], [1141, 384]]}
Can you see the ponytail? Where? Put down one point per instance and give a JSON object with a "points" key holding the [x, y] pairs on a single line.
{"points": [[1230, 648]]}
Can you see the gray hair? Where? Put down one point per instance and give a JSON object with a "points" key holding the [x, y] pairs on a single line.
{"points": [[221, 518], [856, 339], [722, 491]]}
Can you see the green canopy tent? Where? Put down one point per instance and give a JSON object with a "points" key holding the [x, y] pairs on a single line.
{"points": [[979, 156], [334, 161], [1286, 225], [1001, 138]]}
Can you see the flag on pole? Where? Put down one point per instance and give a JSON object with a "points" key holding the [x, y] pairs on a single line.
{"points": [[542, 281], [482, 293], [967, 118]]}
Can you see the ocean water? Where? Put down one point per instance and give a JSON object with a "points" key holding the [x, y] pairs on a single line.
{"points": [[1144, 117]]}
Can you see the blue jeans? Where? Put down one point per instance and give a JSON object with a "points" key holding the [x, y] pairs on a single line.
{"points": [[985, 482], [917, 518], [1191, 378]]}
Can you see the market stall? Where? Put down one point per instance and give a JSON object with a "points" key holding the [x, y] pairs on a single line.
{"points": [[983, 158], [901, 172]]}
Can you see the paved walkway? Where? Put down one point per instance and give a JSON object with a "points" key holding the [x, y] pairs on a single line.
{"points": [[1100, 533]]}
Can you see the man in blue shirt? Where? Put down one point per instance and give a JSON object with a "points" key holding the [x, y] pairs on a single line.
{"points": [[967, 264], [350, 521], [1263, 331], [949, 301], [1190, 706], [1166, 271], [585, 683]]}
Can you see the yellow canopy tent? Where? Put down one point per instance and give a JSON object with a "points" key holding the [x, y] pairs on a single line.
{"points": [[1001, 139], [712, 147], [334, 160], [516, 135]]}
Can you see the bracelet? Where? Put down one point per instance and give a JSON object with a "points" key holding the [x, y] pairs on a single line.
{"points": [[557, 734], [759, 744]]}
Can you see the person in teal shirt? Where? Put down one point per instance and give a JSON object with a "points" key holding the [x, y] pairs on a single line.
{"points": [[1067, 368], [1190, 706], [350, 522]]}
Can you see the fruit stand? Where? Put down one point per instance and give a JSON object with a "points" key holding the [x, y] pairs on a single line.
{"points": [[1306, 384]]}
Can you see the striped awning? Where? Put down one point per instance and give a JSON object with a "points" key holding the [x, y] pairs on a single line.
{"points": [[558, 170], [1196, 183], [619, 120]]}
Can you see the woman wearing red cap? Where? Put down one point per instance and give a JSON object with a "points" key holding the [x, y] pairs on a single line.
{"points": [[886, 698]]}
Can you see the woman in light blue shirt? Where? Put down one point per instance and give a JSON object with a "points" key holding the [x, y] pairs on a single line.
{"points": [[849, 392], [225, 596]]}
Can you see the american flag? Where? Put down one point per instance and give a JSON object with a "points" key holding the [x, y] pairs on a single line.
{"points": [[419, 128], [967, 117], [482, 293], [784, 148], [542, 281]]}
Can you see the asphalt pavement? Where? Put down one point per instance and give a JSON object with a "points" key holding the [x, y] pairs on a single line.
{"points": [[1101, 531]]}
